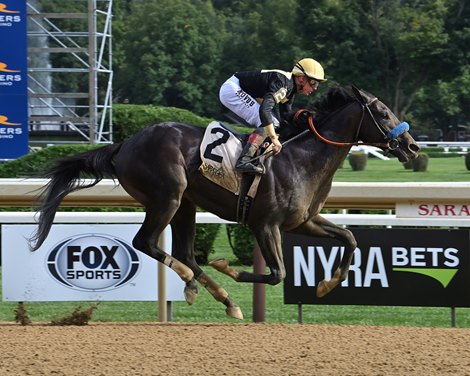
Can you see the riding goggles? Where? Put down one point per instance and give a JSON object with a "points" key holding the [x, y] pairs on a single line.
{"points": [[313, 83]]}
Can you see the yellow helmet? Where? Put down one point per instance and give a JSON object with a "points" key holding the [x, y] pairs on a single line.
{"points": [[310, 68]]}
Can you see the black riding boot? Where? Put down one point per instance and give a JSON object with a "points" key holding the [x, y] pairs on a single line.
{"points": [[243, 162]]}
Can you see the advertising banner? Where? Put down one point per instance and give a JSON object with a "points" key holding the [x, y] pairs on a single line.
{"points": [[396, 267], [457, 210], [92, 262], [13, 79]]}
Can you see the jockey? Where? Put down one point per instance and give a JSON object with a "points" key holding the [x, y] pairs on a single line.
{"points": [[253, 95]]}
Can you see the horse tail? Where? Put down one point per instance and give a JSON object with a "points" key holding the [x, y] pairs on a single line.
{"points": [[65, 177]]}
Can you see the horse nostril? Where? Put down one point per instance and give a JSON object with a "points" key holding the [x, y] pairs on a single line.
{"points": [[413, 147]]}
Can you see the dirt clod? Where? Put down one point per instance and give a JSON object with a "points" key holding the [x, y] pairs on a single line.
{"points": [[77, 317], [21, 316]]}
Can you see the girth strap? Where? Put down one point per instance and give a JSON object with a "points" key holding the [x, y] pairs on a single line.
{"points": [[244, 201]]}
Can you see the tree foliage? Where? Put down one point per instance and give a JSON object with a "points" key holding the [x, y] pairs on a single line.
{"points": [[443, 105], [413, 54], [171, 50]]}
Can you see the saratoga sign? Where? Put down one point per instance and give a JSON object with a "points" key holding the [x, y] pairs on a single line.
{"points": [[433, 210], [407, 267]]}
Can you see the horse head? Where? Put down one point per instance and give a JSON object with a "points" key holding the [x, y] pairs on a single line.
{"points": [[370, 122], [380, 127]]}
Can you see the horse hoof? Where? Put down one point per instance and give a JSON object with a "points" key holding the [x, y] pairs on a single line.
{"points": [[190, 295], [219, 264], [322, 289], [234, 312]]}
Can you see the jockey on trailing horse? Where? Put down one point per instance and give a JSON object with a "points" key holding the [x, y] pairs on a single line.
{"points": [[253, 95]]}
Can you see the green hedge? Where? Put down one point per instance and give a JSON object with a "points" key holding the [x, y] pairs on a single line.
{"points": [[34, 165], [420, 163], [467, 161], [439, 152], [442, 155], [242, 242], [128, 119], [358, 160]]}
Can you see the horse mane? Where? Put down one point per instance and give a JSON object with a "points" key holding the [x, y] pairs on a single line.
{"points": [[334, 99]]}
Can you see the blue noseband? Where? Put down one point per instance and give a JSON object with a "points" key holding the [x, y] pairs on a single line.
{"points": [[398, 130]]}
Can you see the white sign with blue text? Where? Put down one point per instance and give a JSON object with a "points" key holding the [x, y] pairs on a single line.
{"points": [[90, 262]]}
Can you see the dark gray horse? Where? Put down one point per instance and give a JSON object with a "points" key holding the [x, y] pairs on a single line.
{"points": [[158, 167]]}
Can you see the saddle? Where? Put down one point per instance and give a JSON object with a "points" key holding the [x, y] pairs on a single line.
{"points": [[219, 151]]}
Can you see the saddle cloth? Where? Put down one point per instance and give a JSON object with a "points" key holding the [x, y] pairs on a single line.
{"points": [[219, 152]]}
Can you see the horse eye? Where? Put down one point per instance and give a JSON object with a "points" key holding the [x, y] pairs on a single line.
{"points": [[385, 115]]}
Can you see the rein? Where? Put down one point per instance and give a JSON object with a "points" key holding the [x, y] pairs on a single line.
{"points": [[390, 137]]}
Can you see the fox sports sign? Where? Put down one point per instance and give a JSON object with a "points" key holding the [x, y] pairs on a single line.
{"points": [[93, 262]]}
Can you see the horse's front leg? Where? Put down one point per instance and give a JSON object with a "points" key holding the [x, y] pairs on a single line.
{"points": [[321, 227], [269, 241]]}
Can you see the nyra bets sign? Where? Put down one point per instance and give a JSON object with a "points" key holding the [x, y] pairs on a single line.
{"points": [[409, 267], [81, 262]]}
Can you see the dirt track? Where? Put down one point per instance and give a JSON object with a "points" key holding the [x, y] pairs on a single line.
{"points": [[232, 349]]}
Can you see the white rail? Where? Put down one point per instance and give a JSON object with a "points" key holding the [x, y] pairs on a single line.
{"points": [[339, 219], [23, 192], [446, 145]]}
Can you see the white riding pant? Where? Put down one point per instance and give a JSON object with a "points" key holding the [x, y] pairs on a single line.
{"points": [[241, 103]]}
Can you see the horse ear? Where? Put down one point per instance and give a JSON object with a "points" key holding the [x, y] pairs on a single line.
{"points": [[358, 94]]}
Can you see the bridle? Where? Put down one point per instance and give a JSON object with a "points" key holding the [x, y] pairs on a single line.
{"points": [[390, 136]]}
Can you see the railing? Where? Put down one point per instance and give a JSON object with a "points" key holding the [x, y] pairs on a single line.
{"points": [[133, 217], [446, 145], [23, 192]]}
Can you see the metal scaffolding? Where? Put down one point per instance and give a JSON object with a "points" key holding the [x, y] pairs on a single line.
{"points": [[70, 72]]}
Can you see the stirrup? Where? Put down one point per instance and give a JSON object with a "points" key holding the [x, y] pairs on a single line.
{"points": [[249, 168]]}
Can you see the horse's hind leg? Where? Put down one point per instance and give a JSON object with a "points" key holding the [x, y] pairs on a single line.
{"points": [[321, 227], [183, 227], [146, 241]]}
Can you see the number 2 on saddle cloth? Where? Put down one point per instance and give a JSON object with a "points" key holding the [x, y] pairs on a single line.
{"points": [[220, 149]]}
